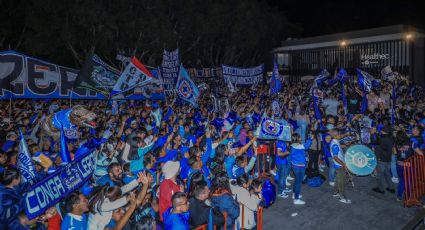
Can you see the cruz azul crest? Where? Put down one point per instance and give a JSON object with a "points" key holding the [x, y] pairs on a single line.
{"points": [[185, 90], [271, 128]]}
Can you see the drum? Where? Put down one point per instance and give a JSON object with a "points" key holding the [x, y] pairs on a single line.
{"points": [[360, 160]]}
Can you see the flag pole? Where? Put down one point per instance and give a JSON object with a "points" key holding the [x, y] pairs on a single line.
{"points": [[70, 98]]}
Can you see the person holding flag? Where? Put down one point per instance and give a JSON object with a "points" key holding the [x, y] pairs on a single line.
{"points": [[25, 164], [275, 83], [12, 202], [14, 184]]}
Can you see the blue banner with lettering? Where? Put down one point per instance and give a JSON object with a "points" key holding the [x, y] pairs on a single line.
{"points": [[244, 77], [170, 70], [22, 76], [59, 185]]}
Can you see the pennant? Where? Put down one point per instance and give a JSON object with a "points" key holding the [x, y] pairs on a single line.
{"points": [[133, 76], [25, 164], [186, 88], [273, 130], [97, 76], [275, 83], [64, 153]]}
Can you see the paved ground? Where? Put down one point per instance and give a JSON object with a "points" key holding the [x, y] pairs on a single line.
{"points": [[322, 211]]}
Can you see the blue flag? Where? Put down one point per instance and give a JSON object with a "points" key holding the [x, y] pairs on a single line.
{"points": [[275, 83], [186, 88], [274, 130], [342, 76], [64, 153], [25, 164], [364, 81], [322, 78]]}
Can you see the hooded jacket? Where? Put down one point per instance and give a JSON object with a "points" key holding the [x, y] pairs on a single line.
{"points": [[298, 153], [201, 214], [225, 202], [176, 221]]}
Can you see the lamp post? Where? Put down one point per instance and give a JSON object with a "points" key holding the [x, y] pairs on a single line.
{"points": [[409, 38], [342, 45]]}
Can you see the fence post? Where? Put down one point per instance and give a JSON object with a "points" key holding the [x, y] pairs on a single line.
{"points": [[260, 218], [243, 216], [414, 176]]}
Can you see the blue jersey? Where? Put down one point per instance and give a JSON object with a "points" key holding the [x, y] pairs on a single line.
{"points": [[336, 151], [281, 145], [74, 222]]}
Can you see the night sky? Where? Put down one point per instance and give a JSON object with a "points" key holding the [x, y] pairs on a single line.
{"points": [[332, 16]]}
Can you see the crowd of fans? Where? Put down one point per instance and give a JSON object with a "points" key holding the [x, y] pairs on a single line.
{"points": [[187, 169]]}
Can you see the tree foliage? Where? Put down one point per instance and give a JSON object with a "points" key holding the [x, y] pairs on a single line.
{"points": [[207, 32]]}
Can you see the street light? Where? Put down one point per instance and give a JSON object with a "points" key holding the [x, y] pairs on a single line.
{"points": [[409, 36], [342, 45]]}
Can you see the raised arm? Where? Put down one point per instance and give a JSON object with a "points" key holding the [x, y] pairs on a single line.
{"points": [[246, 146]]}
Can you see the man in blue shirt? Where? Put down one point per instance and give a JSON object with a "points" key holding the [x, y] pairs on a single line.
{"points": [[282, 168], [339, 165], [77, 207]]}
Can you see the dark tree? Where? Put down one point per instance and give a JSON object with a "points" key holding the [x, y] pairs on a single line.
{"points": [[208, 32]]}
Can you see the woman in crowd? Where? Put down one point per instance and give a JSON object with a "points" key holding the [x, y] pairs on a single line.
{"points": [[222, 197], [249, 203], [298, 160]]}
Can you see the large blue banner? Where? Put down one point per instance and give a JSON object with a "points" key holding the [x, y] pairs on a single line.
{"points": [[22, 76], [243, 76], [170, 70], [59, 185]]}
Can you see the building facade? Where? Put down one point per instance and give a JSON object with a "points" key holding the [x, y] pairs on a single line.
{"points": [[399, 46]]}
